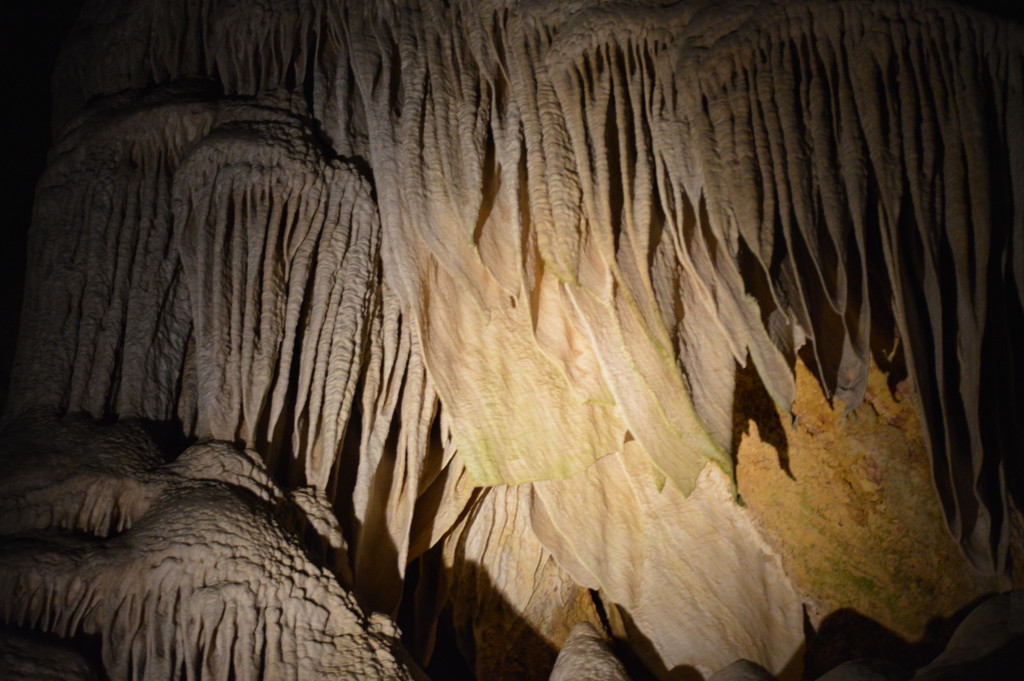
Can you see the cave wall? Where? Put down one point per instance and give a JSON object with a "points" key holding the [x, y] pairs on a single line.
{"points": [[500, 284]]}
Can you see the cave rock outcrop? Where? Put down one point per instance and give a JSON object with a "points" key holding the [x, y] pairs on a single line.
{"points": [[497, 306]]}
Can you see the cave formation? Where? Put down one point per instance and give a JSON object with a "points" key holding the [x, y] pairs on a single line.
{"points": [[367, 338]]}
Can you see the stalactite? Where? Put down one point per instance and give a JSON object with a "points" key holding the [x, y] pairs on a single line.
{"points": [[464, 267], [652, 553], [112, 327], [279, 250], [876, 175]]}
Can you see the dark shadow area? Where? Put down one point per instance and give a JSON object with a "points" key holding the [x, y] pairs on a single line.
{"points": [[32, 33], [376, 573], [434, 479], [848, 635], [477, 633], [459, 621], [1006, 10], [447, 661], [641, 659], [794, 669], [88, 647], [751, 402], [637, 670], [884, 342], [168, 436]]}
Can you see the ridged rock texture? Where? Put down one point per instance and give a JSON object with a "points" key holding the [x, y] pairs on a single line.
{"points": [[464, 314], [193, 579]]}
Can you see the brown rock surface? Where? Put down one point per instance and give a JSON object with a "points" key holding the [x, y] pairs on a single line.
{"points": [[848, 503]]}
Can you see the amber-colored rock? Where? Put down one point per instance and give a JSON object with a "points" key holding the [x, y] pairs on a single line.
{"points": [[847, 501]]}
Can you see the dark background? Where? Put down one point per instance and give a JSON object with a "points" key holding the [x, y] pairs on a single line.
{"points": [[31, 32]]}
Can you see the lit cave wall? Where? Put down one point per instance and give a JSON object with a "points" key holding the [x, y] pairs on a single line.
{"points": [[517, 340]]}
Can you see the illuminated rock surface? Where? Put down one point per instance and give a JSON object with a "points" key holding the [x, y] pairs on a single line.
{"points": [[499, 320]]}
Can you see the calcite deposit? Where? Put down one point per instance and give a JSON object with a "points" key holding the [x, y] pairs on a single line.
{"points": [[358, 335]]}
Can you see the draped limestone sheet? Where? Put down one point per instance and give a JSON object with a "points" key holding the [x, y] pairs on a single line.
{"points": [[403, 249], [103, 271], [199, 263], [662, 558], [278, 251], [871, 171], [692, 188]]}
